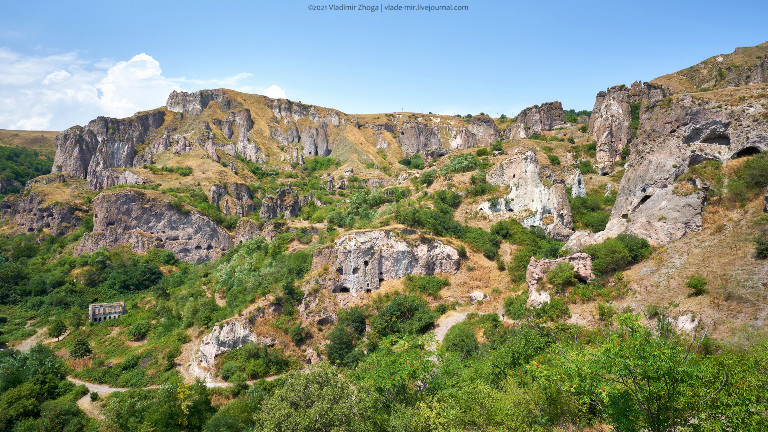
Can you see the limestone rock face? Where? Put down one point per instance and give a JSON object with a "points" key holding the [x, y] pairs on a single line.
{"points": [[30, 213], [147, 220], [537, 119], [194, 103], [417, 137], [677, 133], [285, 202], [529, 200], [227, 336], [484, 129], [537, 270], [86, 152], [462, 138], [611, 115], [362, 260], [246, 229], [315, 141], [232, 199]]}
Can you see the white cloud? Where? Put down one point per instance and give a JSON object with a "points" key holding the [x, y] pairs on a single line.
{"points": [[58, 91], [135, 85], [273, 91]]}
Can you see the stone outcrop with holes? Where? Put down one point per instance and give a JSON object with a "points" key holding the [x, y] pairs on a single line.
{"points": [[361, 260], [147, 219], [675, 134], [537, 270], [529, 200], [285, 203]]}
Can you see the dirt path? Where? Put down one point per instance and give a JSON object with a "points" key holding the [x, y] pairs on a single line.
{"points": [[91, 409], [446, 322], [33, 340]]}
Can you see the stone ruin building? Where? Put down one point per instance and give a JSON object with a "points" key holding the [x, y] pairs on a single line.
{"points": [[98, 312]]}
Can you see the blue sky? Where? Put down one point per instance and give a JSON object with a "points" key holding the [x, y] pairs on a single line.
{"points": [[63, 63]]}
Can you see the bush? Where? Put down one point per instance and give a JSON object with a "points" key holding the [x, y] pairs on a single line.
{"points": [[761, 246], [81, 348], [460, 163], [562, 276], [697, 284], [515, 307], [554, 160], [404, 314], [585, 167], [583, 128], [94, 396], [497, 146], [57, 328], [414, 162], [460, 340], [428, 177], [139, 330], [482, 152], [429, 285], [617, 253]]}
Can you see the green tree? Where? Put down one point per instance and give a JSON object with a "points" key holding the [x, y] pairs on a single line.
{"points": [[318, 400], [81, 348], [56, 329], [460, 340]]}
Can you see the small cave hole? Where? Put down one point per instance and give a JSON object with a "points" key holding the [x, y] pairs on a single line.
{"points": [[340, 289], [747, 151], [645, 199], [340, 271], [365, 263], [356, 270]]}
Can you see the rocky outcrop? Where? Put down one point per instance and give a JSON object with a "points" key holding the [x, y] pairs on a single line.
{"points": [[284, 203], [86, 152], [675, 134], [224, 337], [246, 229], [537, 270], [418, 137], [609, 124], [146, 219], [484, 129], [529, 200], [31, 211], [315, 141], [536, 120], [477, 296], [232, 198], [360, 261], [194, 103]]}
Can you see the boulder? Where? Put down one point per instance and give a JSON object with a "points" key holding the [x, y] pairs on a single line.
{"points": [[477, 296], [537, 270]]}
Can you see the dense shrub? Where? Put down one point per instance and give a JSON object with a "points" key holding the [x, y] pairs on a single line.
{"points": [[255, 361], [429, 285], [562, 276], [139, 330], [589, 212], [404, 314], [585, 167], [320, 163], [414, 162], [20, 165], [554, 160], [460, 340], [460, 163], [617, 253], [428, 177]]}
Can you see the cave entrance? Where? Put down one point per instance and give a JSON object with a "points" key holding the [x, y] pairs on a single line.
{"points": [[747, 151]]}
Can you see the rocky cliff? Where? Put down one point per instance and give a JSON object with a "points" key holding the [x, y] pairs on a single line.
{"points": [[360, 261], [611, 117], [147, 219], [677, 133], [43, 205]]}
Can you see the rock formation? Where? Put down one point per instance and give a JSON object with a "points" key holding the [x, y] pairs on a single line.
{"points": [[194, 103], [146, 219], [31, 211], [537, 270], [418, 137], [224, 337], [315, 141], [609, 124], [360, 261], [676, 133], [284, 203], [536, 120], [529, 200], [232, 199]]}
